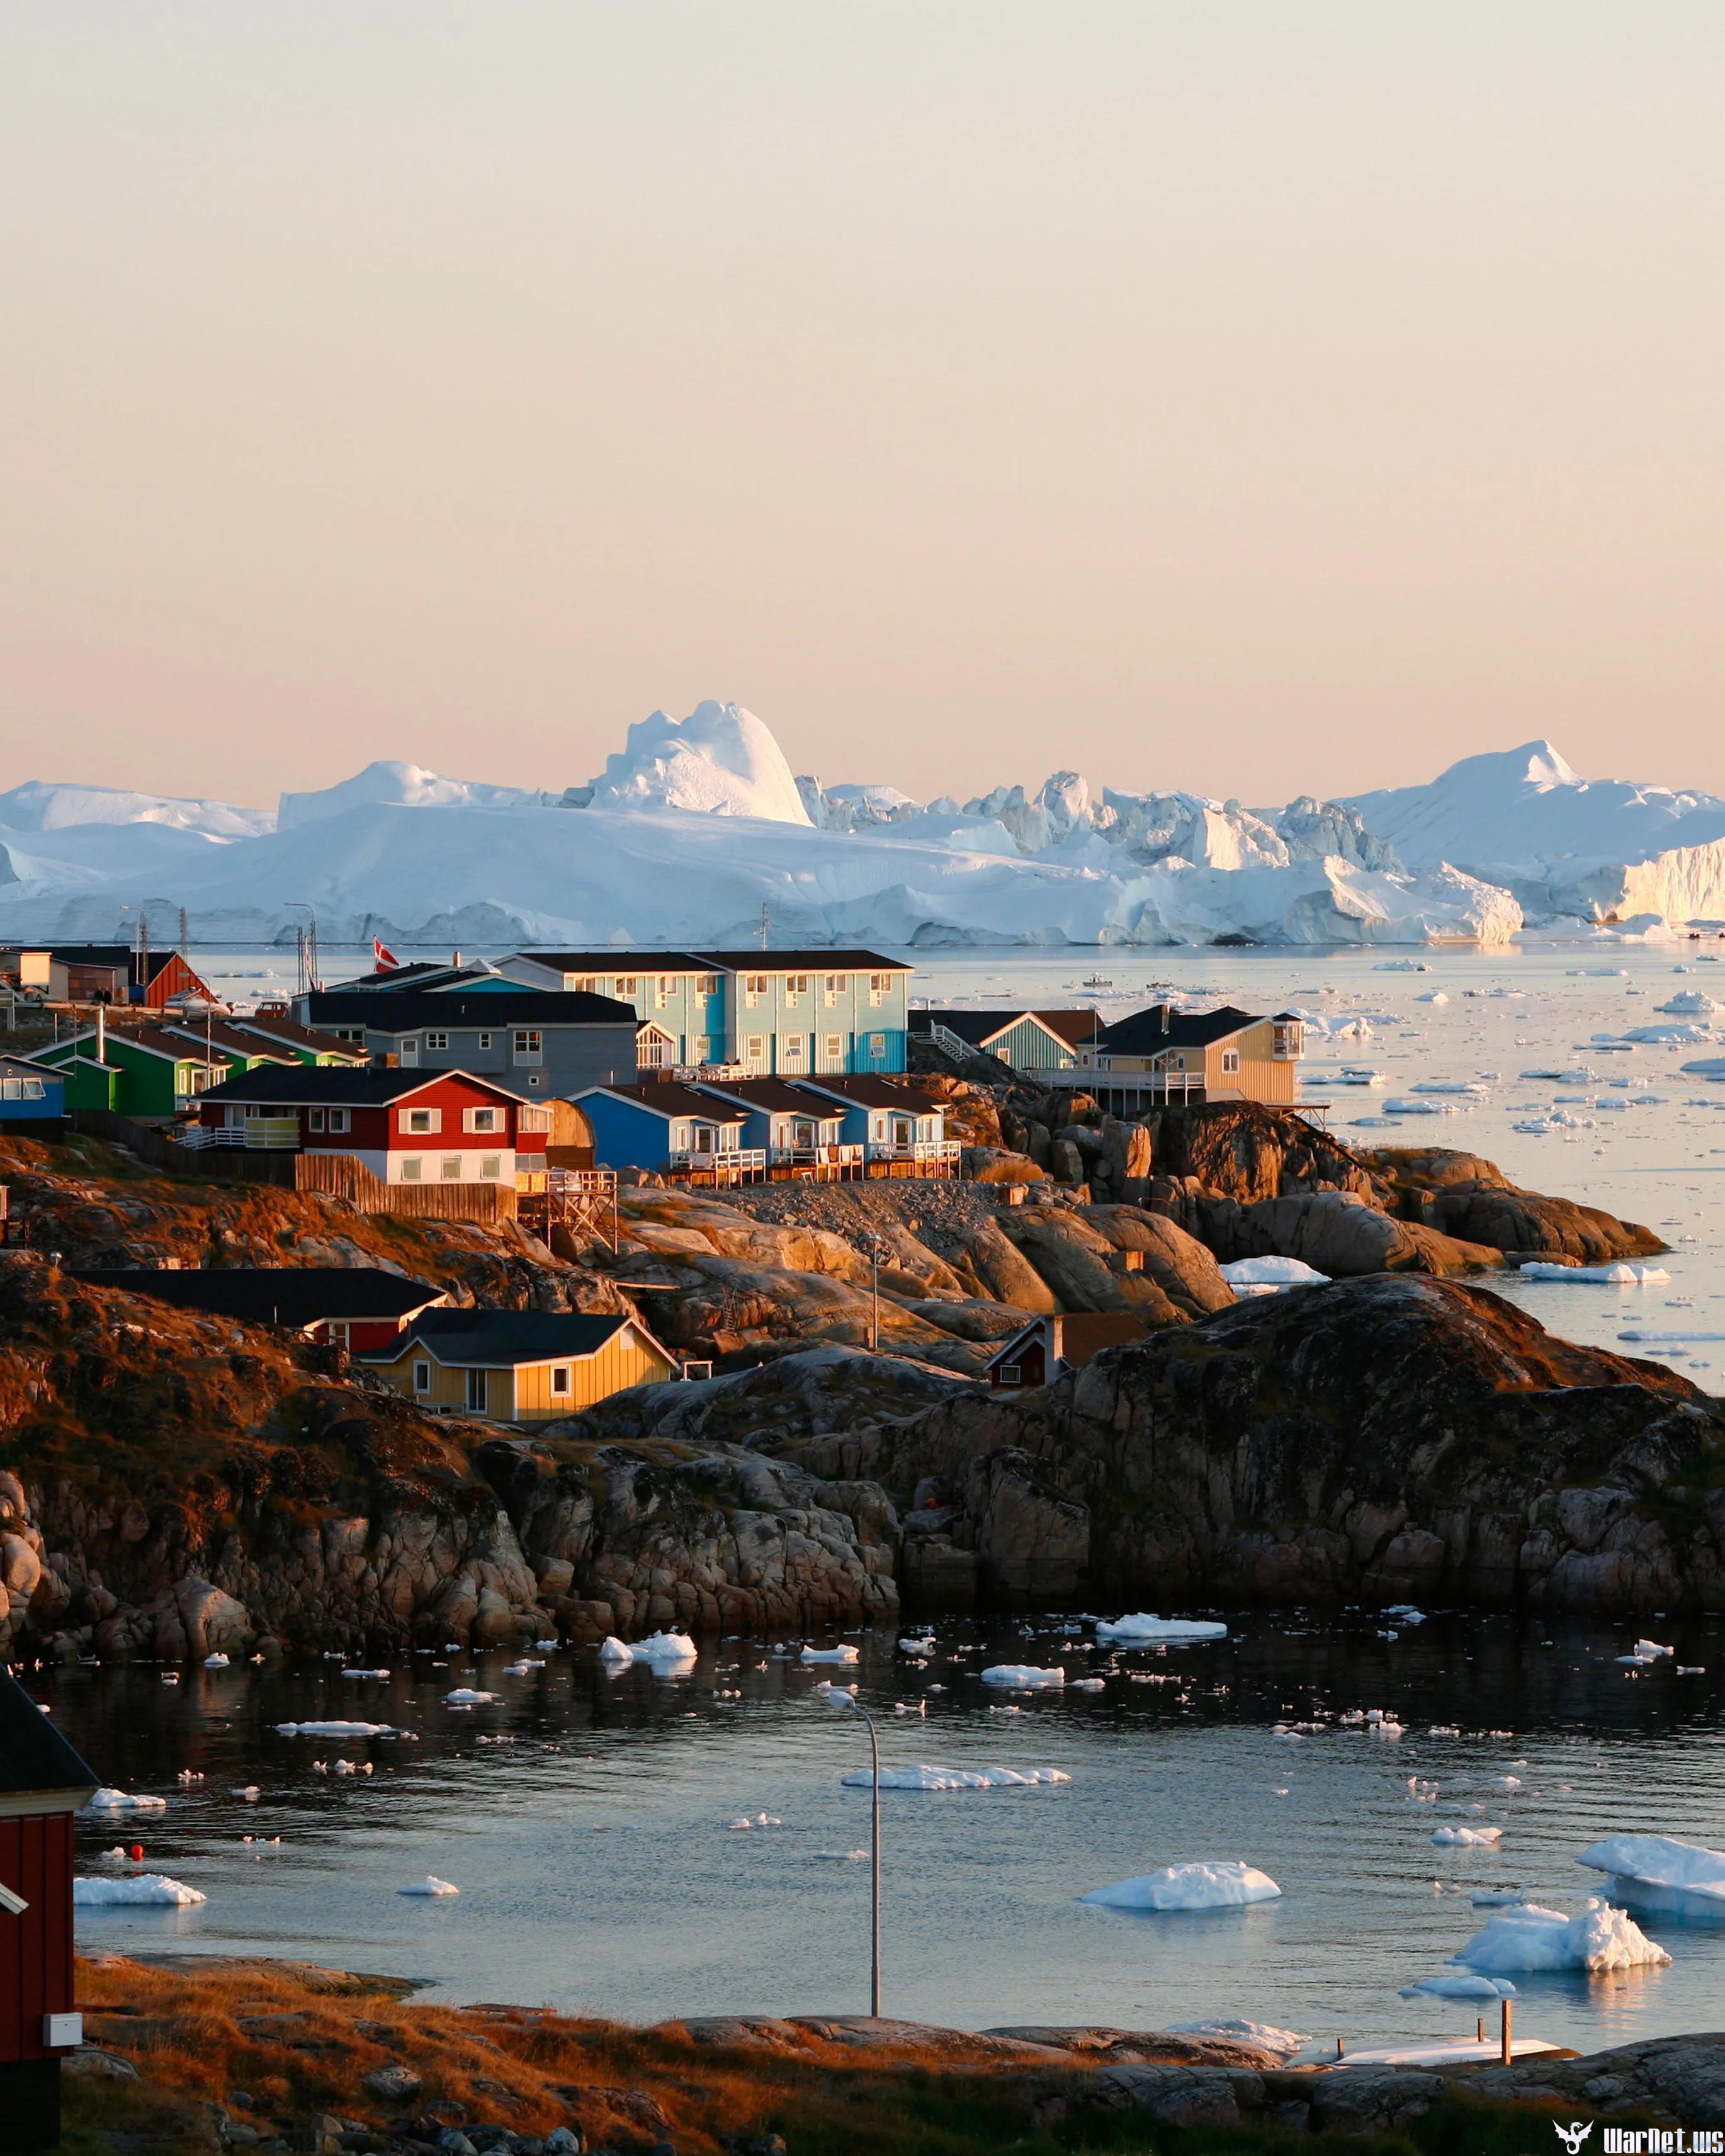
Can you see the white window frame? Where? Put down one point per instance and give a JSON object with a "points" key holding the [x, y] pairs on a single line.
{"points": [[483, 1121], [791, 1049], [563, 1379], [412, 1167], [449, 1168], [1230, 1062], [528, 1043], [754, 987], [479, 1392], [421, 1122], [422, 1376], [796, 987], [407, 1053], [439, 1041], [341, 1122], [484, 1042], [754, 1051], [313, 1119], [878, 985], [490, 1166], [662, 991]]}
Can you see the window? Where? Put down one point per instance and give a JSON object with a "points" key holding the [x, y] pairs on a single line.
{"points": [[422, 1376], [421, 1122], [450, 1169], [661, 990], [484, 1040], [754, 987], [834, 1047], [492, 1167], [877, 1044], [700, 1048], [793, 1047], [338, 1333], [705, 1137], [476, 1391], [879, 984], [341, 1119], [626, 986], [706, 984], [754, 1051], [560, 1379], [652, 1051], [482, 1120], [579, 984], [313, 1119], [1289, 1038], [408, 1052], [438, 1040], [796, 987], [21, 1089], [356, 1033], [1231, 1060], [836, 988], [529, 1045], [412, 1169], [1012, 1374]]}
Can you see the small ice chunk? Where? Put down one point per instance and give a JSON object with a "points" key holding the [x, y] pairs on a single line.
{"points": [[1617, 1276], [1226, 1885], [1024, 1676], [925, 1777], [334, 1729], [615, 1654], [430, 1884], [1277, 1273], [365, 1673], [215, 1661], [1466, 1837], [119, 1800], [917, 1646], [464, 1696], [839, 1654], [1144, 1628], [1459, 1987], [149, 1890], [666, 1650]]}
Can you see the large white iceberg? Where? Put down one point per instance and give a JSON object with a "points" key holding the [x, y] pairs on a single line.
{"points": [[1228, 1885], [1271, 1275], [925, 1777], [1527, 1937], [1679, 1878], [149, 1890], [1144, 1628], [720, 761]]}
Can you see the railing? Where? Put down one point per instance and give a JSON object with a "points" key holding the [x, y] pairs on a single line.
{"points": [[1157, 1084], [817, 1156], [933, 1153], [257, 1134], [731, 1165], [693, 1074]]}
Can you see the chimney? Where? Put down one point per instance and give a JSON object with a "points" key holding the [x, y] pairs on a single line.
{"points": [[1164, 1017]]}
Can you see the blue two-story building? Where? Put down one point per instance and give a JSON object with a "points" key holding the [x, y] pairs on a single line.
{"points": [[32, 1099]]}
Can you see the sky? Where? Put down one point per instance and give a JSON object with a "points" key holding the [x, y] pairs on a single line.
{"points": [[1256, 396]]}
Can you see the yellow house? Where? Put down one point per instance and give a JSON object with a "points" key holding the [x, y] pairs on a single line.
{"points": [[518, 1365], [1172, 1056]]}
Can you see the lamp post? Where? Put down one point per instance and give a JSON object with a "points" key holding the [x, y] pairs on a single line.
{"points": [[848, 1699], [873, 1243]]}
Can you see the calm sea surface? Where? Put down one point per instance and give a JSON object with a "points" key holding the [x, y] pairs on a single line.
{"points": [[586, 1819]]}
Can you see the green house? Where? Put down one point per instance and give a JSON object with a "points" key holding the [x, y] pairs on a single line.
{"points": [[142, 1071], [1026, 1040]]}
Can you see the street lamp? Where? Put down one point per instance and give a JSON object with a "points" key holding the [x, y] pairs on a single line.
{"points": [[841, 1697], [873, 1241]]}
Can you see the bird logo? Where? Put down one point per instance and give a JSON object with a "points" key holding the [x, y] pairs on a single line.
{"points": [[1573, 2136]]}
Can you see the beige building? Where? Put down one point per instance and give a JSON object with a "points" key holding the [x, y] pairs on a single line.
{"points": [[518, 1365], [1163, 1057]]}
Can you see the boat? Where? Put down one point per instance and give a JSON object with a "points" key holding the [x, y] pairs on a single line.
{"points": [[1097, 983]]}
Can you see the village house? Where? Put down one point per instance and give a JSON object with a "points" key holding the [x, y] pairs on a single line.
{"points": [[541, 1043], [1030, 1040], [1047, 1347], [116, 973], [32, 1099], [792, 1127], [145, 1072], [358, 1307], [406, 1126], [287, 1039], [901, 1129], [519, 1366], [1162, 1056], [663, 1127]]}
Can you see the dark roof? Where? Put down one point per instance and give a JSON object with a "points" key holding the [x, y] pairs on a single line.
{"points": [[295, 1295], [499, 1337], [409, 1011], [1143, 1033], [33, 1755], [221, 1033], [866, 1090], [156, 1038], [669, 1098], [298, 1036], [618, 962], [776, 1096], [310, 1085], [23, 1066], [419, 974], [804, 961], [980, 1026]]}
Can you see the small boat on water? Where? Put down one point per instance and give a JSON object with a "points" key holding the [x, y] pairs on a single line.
{"points": [[1098, 983]]}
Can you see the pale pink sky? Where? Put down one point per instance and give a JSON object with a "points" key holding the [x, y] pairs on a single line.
{"points": [[1255, 395]]}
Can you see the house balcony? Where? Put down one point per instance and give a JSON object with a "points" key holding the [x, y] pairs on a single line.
{"points": [[257, 1134], [823, 1163], [737, 1164], [938, 1156]]}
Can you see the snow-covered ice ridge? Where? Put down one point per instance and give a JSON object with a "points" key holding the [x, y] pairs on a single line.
{"points": [[695, 824]]}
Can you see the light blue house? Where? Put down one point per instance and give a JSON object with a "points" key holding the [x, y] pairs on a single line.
{"points": [[663, 1127], [901, 1129], [766, 1013], [794, 1127]]}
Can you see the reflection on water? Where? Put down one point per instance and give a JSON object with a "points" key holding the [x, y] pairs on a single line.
{"points": [[588, 1821]]}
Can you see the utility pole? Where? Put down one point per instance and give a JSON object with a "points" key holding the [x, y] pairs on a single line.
{"points": [[766, 922], [874, 1296], [849, 1700]]}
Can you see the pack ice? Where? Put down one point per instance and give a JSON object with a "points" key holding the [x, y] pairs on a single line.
{"points": [[1227, 1885]]}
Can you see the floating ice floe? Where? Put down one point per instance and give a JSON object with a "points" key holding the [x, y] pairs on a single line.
{"points": [[840, 1654], [430, 1884], [215, 1661], [1249, 1276], [1466, 1837], [464, 1696], [666, 1650], [1621, 1275], [334, 1729], [1655, 1872], [1024, 1676], [1144, 1629], [925, 1777], [840, 1855], [746, 1825], [1459, 1987], [925, 1647], [1261, 2035], [149, 1890], [1425, 1107], [615, 1654], [1642, 1334], [1465, 1087], [1529, 1938], [523, 1668], [1646, 1652], [119, 1800], [1229, 1885]]}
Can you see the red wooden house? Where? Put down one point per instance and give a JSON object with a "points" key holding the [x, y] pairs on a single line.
{"points": [[43, 1781], [408, 1126]]}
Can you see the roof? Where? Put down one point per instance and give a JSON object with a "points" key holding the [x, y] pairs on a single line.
{"points": [[1148, 1032], [314, 1086], [804, 962], [979, 1027], [503, 1339], [419, 974], [33, 1755], [409, 1011], [21, 1067], [864, 1091], [153, 1039], [295, 1295], [776, 1095], [221, 1033], [667, 1097], [1081, 1334], [617, 962], [296, 1036]]}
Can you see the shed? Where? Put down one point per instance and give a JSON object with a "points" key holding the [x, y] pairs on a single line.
{"points": [[520, 1365], [1046, 1348], [43, 1781]]}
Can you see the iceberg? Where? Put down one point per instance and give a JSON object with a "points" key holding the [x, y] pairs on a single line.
{"points": [[430, 1885], [840, 1654], [1460, 1987], [1616, 1275], [1271, 1275], [956, 1777], [1024, 1676], [1529, 1938], [1145, 1629], [148, 1890], [666, 1650], [334, 1729], [615, 1654], [119, 1800], [1675, 1878], [1228, 1885]]}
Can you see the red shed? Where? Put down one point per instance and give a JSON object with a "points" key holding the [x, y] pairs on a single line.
{"points": [[43, 1781]]}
